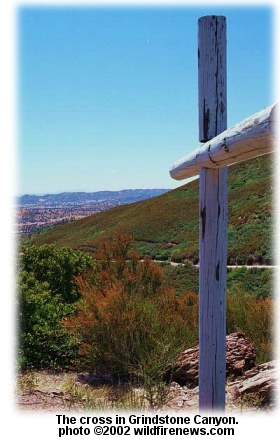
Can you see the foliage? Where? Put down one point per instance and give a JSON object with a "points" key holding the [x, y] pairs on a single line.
{"points": [[46, 292], [43, 341], [117, 262], [134, 317], [166, 227], [255, 281], [250, 301], [56, 266], [182, 278], [27, 382], [254, 317], [130, 325]]}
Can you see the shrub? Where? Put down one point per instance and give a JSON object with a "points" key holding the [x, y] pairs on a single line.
{"points": [[130, 325], [43, 341], [130, 336], [254, 317], [56, 266], [47, 291], [119, 330], [256, 281]]}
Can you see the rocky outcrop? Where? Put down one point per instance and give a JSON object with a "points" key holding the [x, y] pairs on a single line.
{"points": [[240, 354], [240, 357], [243, 376], [260, 381]]}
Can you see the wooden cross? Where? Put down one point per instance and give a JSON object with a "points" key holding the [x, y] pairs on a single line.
{"points": [[252, 137]]}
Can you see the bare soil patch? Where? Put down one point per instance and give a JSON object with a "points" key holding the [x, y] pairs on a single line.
{"points": [[61, 392]]}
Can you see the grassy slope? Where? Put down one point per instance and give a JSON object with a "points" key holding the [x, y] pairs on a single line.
{"points": [[167, 225], [254, 281]]}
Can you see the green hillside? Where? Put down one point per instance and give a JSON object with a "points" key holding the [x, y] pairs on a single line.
{"points": [[167, 226]]}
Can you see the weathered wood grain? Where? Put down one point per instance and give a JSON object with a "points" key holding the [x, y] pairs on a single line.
{"points": [[213, 220], [212, 76], [213, 208], [254, 136]]}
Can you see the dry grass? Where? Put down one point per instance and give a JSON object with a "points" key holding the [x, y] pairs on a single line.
{"points": [[49, 392], [45, 391]]}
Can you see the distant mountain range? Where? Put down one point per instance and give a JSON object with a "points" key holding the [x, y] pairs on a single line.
{"points": [[118, 197]]}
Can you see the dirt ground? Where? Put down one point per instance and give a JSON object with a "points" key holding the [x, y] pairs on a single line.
{"points": [[49, 392]]}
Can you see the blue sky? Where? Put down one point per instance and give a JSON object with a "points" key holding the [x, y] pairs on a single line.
{"points": [[107, 97]]}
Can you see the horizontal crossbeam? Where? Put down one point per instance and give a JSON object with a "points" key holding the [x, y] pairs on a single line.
{"points": [[252, 137]]}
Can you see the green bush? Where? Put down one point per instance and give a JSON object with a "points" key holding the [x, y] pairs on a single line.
{"points": [[42, 341], [183, 278], [47, 291], [256, 282], [56, 266]]}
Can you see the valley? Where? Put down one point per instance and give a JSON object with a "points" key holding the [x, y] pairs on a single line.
{"points": [[34, 213]]}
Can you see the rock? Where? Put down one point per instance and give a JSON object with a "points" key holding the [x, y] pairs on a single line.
{"points": [[256, 385], [240, 354], [260, 381], [240, 357], [185, 370]]}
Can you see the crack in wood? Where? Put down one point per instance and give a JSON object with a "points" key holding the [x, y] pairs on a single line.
{"points": [[217, 46], [226, 148], [203, 218], [216, 163], [206, 120], [218, 271]]}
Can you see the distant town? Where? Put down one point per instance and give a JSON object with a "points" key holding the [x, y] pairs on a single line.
{"points": [[33, 219], [34, 213]]}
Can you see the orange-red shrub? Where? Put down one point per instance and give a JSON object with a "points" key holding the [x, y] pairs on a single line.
{"points": [[128, 322]]}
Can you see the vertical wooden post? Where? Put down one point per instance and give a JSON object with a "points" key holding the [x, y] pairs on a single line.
{"points": [[213, 216]]}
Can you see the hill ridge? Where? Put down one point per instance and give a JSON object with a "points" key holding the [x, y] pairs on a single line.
{"points": [[166, 226], [125, 195]]}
